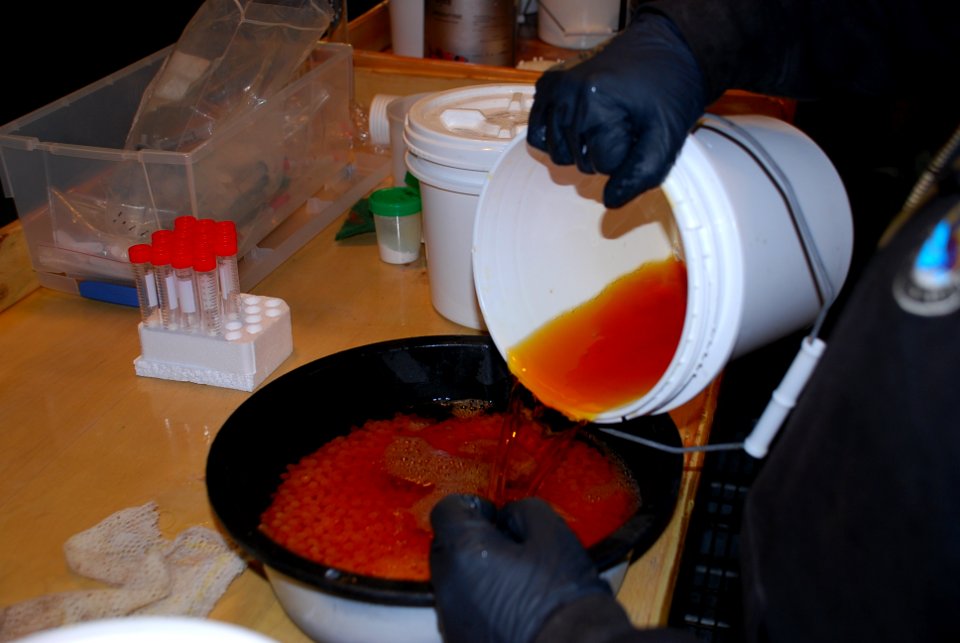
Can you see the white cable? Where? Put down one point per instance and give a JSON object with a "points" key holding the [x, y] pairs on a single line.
{"points": [[660, 446]]}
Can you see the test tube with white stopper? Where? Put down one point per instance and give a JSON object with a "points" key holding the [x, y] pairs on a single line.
{"points": [[143, 277], [182, 262], [225, 246], [208, 290], [166, 285]]}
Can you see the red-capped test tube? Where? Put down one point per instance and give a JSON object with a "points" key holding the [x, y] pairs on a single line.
{"points": [[182, 261], [225, 246], [208, 291], [205, 234], [140, 263], [166, 281], [184, 223]]}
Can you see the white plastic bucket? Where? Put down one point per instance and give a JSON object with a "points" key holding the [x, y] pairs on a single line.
{"points": [[544, 245], [397, 116], [453, 138]]}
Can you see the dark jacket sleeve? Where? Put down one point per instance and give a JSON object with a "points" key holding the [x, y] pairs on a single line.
{"points": [[600, 619], [809, 49], [850, 531]]}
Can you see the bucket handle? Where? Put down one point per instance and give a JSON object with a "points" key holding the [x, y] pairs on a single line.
{"points": [[741, 137]]}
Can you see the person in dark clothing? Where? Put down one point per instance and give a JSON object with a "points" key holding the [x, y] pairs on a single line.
{"points": [[851, 531]]}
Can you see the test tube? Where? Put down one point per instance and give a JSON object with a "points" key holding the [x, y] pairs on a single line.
{"points": [[185, 223], [205, 232], [161, 238], [143, 277], [166, 286], [225, 247], [182, 262], [208, 290]]}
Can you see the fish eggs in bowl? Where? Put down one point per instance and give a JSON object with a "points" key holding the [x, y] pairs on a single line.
{"points": [[326, 475]]}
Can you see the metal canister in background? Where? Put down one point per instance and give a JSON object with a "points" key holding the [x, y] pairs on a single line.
{"points": [[474, 31]]}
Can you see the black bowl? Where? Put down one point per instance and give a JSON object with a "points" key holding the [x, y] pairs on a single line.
{"points": [[300, 411]]}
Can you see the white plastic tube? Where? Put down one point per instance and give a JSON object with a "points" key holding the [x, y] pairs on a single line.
{"points": [[784, 398]]}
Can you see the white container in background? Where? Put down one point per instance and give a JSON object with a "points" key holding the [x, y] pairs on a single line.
{"points": [[397, 118], [406, 27], [388, 115], [574, 24], [453, 138], [482, 32], [733, 209], [378, 121]]}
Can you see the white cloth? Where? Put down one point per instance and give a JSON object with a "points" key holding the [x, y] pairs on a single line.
{"points": [[147, 574]]}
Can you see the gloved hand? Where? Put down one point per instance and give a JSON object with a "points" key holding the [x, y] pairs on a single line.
{"points": [[624, 112], [498, 577]]}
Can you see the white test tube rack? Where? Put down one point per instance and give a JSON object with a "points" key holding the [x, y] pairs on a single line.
{"points": [[250, 349]]}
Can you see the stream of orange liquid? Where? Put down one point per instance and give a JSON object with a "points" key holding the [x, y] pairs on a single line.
{"points": [[530, 433]]}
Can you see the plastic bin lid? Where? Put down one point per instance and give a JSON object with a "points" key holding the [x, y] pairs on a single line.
{"points": [[468, 127]]}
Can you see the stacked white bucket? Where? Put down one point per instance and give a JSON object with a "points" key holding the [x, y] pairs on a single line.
{"points": [[512, 241], [453, 138]]}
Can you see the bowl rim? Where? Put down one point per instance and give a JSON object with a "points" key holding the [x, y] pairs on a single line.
{"points": [[629, 541]]}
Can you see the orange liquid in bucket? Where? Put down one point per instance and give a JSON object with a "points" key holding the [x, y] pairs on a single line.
{"points": [[610, 350]]}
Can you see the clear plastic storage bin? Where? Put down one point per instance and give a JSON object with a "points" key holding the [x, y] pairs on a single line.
{"points": [[83, 199]]}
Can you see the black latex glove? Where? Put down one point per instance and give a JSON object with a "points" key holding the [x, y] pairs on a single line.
{"points": [[625, 111], [498, 576]]}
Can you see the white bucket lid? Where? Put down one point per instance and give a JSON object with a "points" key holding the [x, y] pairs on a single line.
{"points": [[468, 128]]}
